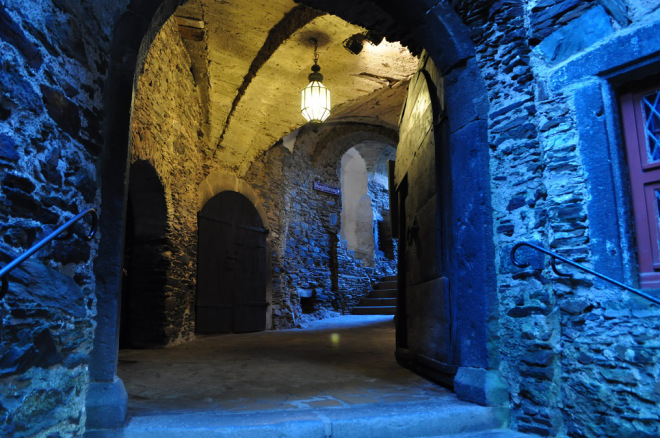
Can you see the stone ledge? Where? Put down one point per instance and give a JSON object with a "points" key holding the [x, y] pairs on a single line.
{"points": [[391, 421]]}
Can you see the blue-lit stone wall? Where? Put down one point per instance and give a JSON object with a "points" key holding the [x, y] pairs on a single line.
{"points": [[53, 62], [387, 247], [579, 357]]}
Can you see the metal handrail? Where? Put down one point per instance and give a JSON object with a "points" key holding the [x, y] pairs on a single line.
{"points": [[20, 259], [556, 257]]}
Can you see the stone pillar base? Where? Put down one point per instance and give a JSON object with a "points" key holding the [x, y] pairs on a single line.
{"points": [[106, 405], [481, 386]]}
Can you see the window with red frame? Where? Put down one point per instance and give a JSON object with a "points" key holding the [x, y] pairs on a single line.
{"points": [[640, 110]]}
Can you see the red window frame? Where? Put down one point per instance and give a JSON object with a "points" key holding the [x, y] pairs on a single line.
{"points": [[644, 182]]}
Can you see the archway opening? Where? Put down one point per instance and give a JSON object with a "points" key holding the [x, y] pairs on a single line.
{"points": [[386, 245], [365, 217], [356, 212], [145, 260], [190, 140], [349, 113]]}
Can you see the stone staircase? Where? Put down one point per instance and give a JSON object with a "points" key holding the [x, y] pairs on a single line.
{"points": [[381, 300]]}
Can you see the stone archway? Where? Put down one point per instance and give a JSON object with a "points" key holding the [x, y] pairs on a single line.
{"points": [[365, 217], [218, 182], [440, 31]]}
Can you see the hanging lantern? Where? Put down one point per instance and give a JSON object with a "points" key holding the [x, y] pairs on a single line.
{"points": [[315, 97]]}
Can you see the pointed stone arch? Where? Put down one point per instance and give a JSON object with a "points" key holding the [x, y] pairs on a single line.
{"points": [[435, 27]]}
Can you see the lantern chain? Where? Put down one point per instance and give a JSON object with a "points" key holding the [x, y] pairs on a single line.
{"points": [[316, 45]]}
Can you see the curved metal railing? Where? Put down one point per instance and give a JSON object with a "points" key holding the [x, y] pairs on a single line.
{"points": [[556, 257], [37, 246]]}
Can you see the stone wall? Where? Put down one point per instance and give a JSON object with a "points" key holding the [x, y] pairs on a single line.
{"points": [[53, 64], [167, 132], [385, 255], [575, 355], [609, 363]]}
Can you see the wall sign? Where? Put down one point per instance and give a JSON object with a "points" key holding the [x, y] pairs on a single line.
{"points": [[326, 188]]}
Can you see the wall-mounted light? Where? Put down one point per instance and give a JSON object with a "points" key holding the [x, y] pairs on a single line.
{"points": [[315, 97], [374, 37], [355, 42]]}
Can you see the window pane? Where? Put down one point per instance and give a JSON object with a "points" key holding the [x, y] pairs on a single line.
{"points": [[651, 109]]}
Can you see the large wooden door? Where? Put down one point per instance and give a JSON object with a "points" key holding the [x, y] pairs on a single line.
{"points": [[425, 315], [231, 267]]}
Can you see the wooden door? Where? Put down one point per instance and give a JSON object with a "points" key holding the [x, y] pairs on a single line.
{"points": [[231, 267], [425, 325]]}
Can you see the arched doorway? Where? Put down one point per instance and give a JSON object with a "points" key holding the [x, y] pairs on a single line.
{"points": [[231, 266], [145, 266]]}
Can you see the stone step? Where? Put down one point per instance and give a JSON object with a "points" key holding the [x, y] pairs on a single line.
{"points": [[381, 300], [382, 293], [493, 433], [374, 302], [385, 285], [374, 310], [389, 278], [417, 419]]}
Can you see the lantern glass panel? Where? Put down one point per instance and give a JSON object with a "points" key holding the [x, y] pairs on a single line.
{"points": [[315, 102]]}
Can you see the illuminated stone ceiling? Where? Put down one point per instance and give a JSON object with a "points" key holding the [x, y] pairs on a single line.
{"points": [[256, 58]]}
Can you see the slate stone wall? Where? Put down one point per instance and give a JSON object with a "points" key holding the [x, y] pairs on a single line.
{"points": [[386, 245], [53, 62], [575, 355]]}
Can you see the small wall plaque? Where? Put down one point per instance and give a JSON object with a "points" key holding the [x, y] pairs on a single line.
{"points": [[326, 188]]}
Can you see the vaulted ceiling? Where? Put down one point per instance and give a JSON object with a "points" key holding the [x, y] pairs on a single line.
{"points": [[254, 57]]}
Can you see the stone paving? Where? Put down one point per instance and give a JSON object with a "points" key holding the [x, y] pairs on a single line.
{"points": [[340, 362], [336, 378]]}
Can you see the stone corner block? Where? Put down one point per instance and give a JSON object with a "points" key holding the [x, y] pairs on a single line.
{"points": [[592, 26], [106, 405], [481, 386]]}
